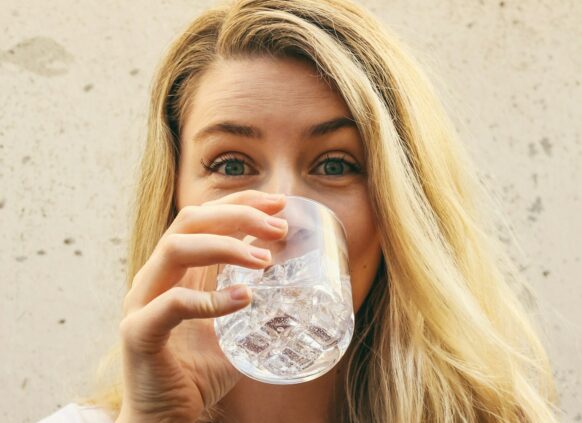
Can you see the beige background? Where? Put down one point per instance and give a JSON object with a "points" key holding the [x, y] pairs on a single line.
{"points": [[74, 79]]}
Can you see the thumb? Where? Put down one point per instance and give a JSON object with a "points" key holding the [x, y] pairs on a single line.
{"points": [[151, 325]]}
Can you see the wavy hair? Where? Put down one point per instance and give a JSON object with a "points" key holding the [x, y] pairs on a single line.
{"points": [[442, 336]]}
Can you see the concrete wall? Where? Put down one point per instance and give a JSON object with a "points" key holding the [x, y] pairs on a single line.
{"points": [[74, 79]]}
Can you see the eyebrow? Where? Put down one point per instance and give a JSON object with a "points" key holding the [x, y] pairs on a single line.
{"points": [[247, 131]]}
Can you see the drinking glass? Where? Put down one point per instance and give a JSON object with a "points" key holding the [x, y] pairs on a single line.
{"points": [[300, 320]]}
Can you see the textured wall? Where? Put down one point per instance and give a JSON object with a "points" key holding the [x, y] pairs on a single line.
{"points": [[74, 79]]}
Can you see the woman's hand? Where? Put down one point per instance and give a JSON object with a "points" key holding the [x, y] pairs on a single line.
{"points": [[166, 383]]}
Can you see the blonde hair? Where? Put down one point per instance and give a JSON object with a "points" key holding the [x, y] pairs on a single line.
{"points": [[441, 336]]}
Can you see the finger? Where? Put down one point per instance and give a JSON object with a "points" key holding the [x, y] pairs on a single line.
{"points": [[227, 219], [175, 253], [268, 203], [147, 330]]}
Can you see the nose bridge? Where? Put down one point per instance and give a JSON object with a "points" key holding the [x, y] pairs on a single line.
{"points": [[282, 178]]}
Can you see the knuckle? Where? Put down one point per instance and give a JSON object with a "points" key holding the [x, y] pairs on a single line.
{"points": [[187, 213], [254, 214], [208, 305], [127, 328], [170, 245], [181, 301], [228, 245], [216, 300], [243, 209], [176, 299]]}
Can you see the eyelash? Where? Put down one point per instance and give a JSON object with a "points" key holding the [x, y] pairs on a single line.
{"points": [[352, 166], [227, 157], [230, 157]]}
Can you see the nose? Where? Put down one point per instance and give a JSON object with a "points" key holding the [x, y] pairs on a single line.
{"points": [[283, 179]]}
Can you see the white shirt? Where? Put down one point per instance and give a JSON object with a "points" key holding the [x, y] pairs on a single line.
{"points": [[73, 413]]}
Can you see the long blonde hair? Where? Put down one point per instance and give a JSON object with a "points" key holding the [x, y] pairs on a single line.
{"points": [[441, 336]]}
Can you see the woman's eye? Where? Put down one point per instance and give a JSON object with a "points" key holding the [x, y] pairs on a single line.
{"points": [[234, 168], [228, 166], [336, 166]]}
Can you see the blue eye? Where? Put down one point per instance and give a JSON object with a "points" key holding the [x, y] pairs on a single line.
{"points": [[233, 166], [336, 166]]}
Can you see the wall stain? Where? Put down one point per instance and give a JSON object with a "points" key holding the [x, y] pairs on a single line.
{"points": [[115, 240], [78, 253], [532, 149], [546, 145], [68, 241], [537, 206], [40, 55]]}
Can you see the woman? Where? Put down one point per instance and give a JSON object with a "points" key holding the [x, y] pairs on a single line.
{"points": [[263, 98]]}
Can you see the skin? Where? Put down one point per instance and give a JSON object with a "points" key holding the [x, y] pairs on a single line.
{"points": [[281, 99], [173, 367], [282, 161]]}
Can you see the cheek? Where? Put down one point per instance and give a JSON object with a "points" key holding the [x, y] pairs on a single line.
{"points": [[363, 244], [365, 255], [191, 188]]}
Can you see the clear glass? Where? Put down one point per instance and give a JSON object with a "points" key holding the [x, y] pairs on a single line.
{"points": [[301, 319]]}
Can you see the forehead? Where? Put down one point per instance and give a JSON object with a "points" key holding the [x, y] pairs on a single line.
{"points": [[264, 88]]}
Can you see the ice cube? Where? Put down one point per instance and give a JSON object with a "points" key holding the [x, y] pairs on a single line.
{"points": [[254, 343], [294, 268], [330, 315], [299, 360], [263, 299], [305, 346], [273, 275], [233, 322], [321, 336], [232, 274], [297, 302], [281, 365], [277, 326], [305, 267]]}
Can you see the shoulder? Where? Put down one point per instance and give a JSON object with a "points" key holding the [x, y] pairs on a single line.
{"points": [[74, 413]]}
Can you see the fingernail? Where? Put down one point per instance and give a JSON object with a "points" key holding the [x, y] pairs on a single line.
{"points": [[274, 197], [260, 253], [240, 293], [276, 222]]}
